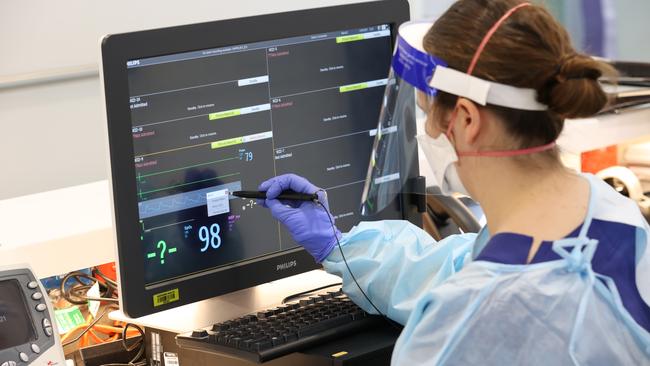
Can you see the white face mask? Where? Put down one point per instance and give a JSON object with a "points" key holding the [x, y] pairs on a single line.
{"points": [[441, 155]]}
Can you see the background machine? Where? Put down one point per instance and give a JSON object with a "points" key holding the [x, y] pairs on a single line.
{"points": [[27, 331]]}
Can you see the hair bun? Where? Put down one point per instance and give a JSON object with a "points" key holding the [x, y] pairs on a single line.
{"points": [[576, 66], [574, 90]]}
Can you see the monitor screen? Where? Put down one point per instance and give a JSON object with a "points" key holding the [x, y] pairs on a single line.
{"points": [[208, 122], [16, 325], [195, 112]]}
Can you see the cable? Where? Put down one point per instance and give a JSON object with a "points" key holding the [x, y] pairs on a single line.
{"points": [[76, 294], [109, 282], [111, 286], [92, 324], [300, 294], [136, 360], [350, 270]]}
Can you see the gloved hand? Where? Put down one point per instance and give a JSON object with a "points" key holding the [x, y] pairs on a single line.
{"points": [[308, 223]]}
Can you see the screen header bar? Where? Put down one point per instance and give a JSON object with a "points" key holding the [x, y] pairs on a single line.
{"points": [[340, 37]]}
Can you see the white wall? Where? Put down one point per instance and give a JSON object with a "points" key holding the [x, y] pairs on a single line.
{"points": [[633, 29], [51, 135]]}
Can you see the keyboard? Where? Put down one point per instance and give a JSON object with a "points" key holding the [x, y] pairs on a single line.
{"points": [[277, 332]]}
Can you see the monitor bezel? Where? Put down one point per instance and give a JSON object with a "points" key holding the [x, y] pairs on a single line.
{"points": [[117, 49]]}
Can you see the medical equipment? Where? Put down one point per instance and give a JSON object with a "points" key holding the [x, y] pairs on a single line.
{"points": [[28, 331], [198, 111]]}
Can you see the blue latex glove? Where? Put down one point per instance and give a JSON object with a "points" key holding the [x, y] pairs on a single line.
{"points": [[308, 223]]}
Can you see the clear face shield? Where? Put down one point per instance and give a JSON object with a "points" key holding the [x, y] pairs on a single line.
{"points": [[403, 151], [394, 162]]}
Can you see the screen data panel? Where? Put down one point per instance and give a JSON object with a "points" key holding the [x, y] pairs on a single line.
{"points": [[16, 326], [211, 121]]}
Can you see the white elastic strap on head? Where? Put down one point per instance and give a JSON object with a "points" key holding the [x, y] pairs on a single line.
{"points": [[485, 92]]}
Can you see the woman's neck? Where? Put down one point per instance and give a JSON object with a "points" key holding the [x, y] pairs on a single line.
{"points": [[546, 204]]}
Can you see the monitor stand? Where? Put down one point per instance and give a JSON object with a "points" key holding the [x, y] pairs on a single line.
{"points": [[221, 308]]}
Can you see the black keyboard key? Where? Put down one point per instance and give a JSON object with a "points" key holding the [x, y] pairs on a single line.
{"points": [[305, 302], [251, 343], [264, 314], [220, 327], [246, 345], [322, 326], [277, 340], [290, 337], [292, 313], [223, 339], [214, 337], [261, 346], [234, 341], [200, 333]]}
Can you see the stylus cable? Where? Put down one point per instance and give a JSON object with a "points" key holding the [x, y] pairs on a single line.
{"points": [[391, 322]]}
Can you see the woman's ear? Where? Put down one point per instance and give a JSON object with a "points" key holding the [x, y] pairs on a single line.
{"points": [[469, 121]]}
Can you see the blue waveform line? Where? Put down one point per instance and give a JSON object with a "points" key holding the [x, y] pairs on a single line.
{"points": [[181, 201]]}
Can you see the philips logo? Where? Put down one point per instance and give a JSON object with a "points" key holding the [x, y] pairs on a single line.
{"points": [[287, 265]]}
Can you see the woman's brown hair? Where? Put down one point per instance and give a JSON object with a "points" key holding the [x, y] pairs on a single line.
{"points": [[529, 50]]}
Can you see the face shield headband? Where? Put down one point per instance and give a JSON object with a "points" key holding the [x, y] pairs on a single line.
{"points": [[429, 74]]}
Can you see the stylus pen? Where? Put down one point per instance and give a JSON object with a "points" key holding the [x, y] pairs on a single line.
{"points": [[285, 195]]}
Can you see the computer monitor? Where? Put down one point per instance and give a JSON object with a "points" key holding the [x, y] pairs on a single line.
{"points": [[197, 111]]}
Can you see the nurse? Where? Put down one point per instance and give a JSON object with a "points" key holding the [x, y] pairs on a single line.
{"points": [[561, 273]]}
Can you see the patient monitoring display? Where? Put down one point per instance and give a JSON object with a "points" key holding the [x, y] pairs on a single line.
{"points": [[209, 122]]}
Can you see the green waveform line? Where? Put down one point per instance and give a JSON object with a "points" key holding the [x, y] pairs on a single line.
{"points": [[185, 167], [187, 184]]}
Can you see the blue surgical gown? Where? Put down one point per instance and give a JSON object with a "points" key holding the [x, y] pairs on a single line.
{"points": [[472, 299]]}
